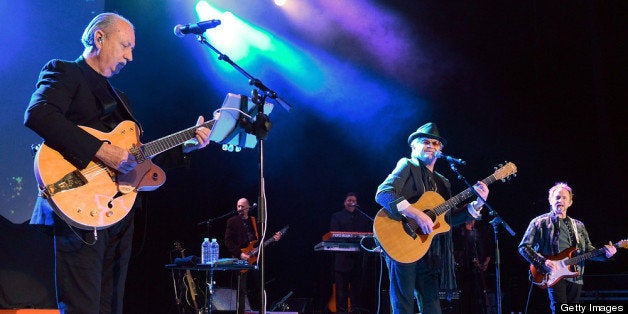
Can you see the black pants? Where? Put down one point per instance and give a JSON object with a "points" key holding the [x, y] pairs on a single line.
{"points": [[349, 287], [564, 292], [90, 274], [249, 287]]}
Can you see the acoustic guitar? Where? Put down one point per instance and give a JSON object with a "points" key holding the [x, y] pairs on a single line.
{"points": [[545, 279], [98, 196], [401, 238], [189, 283]]}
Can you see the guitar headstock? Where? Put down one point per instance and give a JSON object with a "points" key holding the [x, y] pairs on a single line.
{"points": [[505, 171], [622, 244], [284, 230]]}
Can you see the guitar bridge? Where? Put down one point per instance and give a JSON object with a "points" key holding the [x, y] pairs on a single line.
{"points": [[70, 181], [137, 152]]}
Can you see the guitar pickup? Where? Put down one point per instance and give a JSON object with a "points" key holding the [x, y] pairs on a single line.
{"points": [[70, 181]]}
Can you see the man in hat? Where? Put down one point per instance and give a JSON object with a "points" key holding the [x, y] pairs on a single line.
{"points": [[404, 186]]}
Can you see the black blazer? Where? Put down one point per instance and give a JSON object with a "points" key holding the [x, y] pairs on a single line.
{"points": [[62, 101]]}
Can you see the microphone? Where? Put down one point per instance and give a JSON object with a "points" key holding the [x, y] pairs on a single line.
{"points": [[459, 161], [354, 204], [196, 28]]}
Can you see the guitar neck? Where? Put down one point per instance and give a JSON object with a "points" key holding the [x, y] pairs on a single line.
{"points": [[256, 250], [454, 201], [586, 256], [165, 143]]}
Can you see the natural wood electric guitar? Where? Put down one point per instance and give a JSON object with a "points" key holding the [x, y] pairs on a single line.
{"points": [[97, 197], [402, 239], [566, 268]]}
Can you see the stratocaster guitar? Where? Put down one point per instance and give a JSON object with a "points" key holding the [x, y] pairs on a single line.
{"points": [[97, 197], [402, 239], [252, 252], [189, 283], [566, 268]]}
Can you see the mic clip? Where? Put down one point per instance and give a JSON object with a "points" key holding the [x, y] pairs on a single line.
{"points": [[450, 159]]}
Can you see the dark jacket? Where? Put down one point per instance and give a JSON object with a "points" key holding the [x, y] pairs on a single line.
{"points": [[406, 182], [236, 237], [355, 221], [541, 240]]}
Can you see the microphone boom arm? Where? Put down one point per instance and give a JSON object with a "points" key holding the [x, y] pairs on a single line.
{"points": [[252, 80]]}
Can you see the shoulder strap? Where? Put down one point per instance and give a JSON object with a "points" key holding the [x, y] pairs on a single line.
{"points": [[103, 93], [254, 222], [108, 102], [574, 230]]}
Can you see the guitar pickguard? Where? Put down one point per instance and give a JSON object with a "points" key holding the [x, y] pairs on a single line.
{"points": [[70, 181]]}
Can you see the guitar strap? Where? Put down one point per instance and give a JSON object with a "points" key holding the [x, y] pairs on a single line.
{"points": [[106, 95], [254, 222], [574, 231]]}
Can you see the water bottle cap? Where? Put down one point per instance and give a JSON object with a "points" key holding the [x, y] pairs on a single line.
{"points": [[214, 240], [206, 239]]}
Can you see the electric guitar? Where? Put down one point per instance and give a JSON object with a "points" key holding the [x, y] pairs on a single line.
{"points": [[252, 252], [331, 304], [402, 239], [189, 283], [98, 196], [546, 279]]}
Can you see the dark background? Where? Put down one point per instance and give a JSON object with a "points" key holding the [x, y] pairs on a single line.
{"points": [[541, 84]]}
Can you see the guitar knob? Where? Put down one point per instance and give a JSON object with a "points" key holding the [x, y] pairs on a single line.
{"points": [[93, 213], [109, 213]]}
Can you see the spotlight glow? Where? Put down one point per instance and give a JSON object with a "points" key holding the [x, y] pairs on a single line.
{"points": [[249, 45]]}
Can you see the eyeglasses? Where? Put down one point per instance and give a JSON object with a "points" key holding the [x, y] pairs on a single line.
{"points": [[426, 142]]}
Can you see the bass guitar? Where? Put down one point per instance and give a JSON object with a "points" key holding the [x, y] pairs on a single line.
{"points": [[401, 238], [546, 279], [98, 196], [189, 283], [252, 251]]}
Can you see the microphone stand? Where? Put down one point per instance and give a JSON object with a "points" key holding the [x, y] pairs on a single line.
{"points": [[260, 128], [209, 221], [495, 222], [357, 207]]}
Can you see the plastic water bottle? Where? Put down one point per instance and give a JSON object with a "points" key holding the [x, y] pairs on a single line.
{"points": [[205, 251], [214, 250]]}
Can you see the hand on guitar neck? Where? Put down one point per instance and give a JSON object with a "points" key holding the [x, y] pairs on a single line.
{"points": [[250, 252]]}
